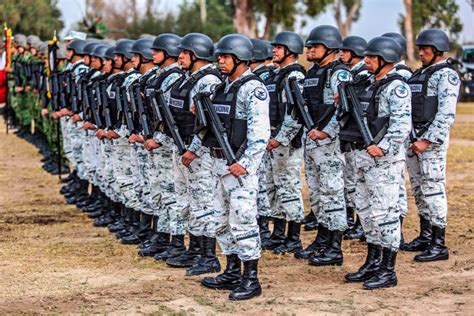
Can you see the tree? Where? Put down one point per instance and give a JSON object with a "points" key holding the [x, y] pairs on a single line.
{"points": [[408, 26], [441, 14], [39, 17], [351, 14], [246, 13]]}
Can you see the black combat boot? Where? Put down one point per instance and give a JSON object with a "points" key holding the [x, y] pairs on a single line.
{"points": [[385, 276], [208, 263], [144, 227], [332, 254], [133, 226], [278, 236], [249, 286], [175, 249], [153, 236], [422, 242], [112, 214], [228, 280], [292, 242], [156, 245], [356, 232], [310, 222], [319, 243], [70, 177], [120, 223], [190, 257], [263, 222], [437, 249], [370, 266]]}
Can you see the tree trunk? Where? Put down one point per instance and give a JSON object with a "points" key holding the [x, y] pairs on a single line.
{"points": [[345, 24], [203, 11], [407, 23], [149, 8], [244, 20], [269, 21]]}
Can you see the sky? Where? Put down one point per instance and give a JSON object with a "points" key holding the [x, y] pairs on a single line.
{"points": [[377, 17]]}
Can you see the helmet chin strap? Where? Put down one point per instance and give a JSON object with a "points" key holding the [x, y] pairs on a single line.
{"points": [[193, 61], [237, 63], [381, 64], [436, 54], [352, 57], [327, 52], [165, 58], [286, 54]]}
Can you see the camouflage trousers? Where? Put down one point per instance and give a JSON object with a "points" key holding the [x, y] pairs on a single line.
{"points": [[427, 172], [376, 198], [402, 194], [107, 170], [89, 155], [284, 187], [67, 145], [237, 232], [138, 162], [77, 136], [203, 217], [263, 202], [349, 178], [324, 171], [162, 184], [122, 170]]}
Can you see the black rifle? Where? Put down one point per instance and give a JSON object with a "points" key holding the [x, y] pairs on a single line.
{"points": [[203, 101], [62, 91], [155, 108], [136, 97], [118, 104], [102, 100], [94, 107], [73, 94], [346, 93], [170, 123], [127, 111], [295, 99]]}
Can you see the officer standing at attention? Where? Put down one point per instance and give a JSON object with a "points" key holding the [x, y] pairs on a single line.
{"points": [[435, 88], [324, 162], [352, 54], [285, 148], [379, 165], [242, 105]]}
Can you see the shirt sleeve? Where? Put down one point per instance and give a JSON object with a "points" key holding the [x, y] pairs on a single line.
{"points": [[447, 91], [290, 126]]}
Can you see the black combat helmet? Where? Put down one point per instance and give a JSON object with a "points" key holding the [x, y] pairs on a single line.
{"points": [[199, 44], [235, 44], [355, 44], [400, 40], [326, 35], [124, 47], [435, 38], [77, 46], [109, 53], [385, 47], [260, 52], [142, 47], [292, 41], [89, 48], [168, 43], [100, 50]]}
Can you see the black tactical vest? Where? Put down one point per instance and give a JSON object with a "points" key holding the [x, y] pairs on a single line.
{"points": [[316, 80], [225, 104], [115, 81], [274, 85], [263, 70], [424, 107], [179, 103], [369, 97]]}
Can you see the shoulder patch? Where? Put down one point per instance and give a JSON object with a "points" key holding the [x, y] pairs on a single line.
{"points": [[453, 79], [343, 76], [401, 91], [260, 93]]}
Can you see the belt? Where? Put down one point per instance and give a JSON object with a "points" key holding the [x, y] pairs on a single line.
{"points": [[217, 152]]}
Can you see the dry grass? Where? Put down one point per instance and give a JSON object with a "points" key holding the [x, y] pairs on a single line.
{"points": [[53, 261]]}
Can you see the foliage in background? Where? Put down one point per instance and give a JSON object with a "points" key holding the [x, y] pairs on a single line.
{"points": [[39, 17]]}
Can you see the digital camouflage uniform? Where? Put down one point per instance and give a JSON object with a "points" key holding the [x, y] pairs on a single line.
{"points": [[378, 179], [324, 165], [427, 170]]}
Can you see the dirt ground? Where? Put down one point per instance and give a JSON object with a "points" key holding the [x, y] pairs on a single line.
{"points": [[53, 261]]}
